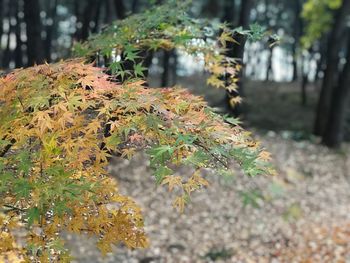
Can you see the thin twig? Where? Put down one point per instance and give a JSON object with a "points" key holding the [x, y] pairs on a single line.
{"points": [[20, 101], [213, 155], [14, 208], [7, 148]]}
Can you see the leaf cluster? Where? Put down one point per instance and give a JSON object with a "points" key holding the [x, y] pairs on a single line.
{"points": [[54, 149]]}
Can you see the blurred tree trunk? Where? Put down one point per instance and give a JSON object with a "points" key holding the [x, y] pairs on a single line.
{"points": [[228, 17], [269, 69], [244, 19], [97, 17], [35, 47], [297, 31], [304, 81], [134, 6], [51, 29], [108, 12], [229, 11], [211, 8], [331, 71], [165, 74], [18, 30], [87, 18], [79, 19], [169, 68], [174, 67], [120, 9], [321, 60], [237, 51], [334, 131]]}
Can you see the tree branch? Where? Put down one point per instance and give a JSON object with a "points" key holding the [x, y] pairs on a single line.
{"points": [[7, 148]]}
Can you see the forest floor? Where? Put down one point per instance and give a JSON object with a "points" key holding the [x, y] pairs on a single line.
{"points": [[300, 215]]}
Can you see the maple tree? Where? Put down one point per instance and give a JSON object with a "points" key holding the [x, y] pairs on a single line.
{"points": [[60, 123]]}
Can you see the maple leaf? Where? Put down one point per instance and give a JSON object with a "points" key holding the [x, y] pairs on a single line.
{"points": [[226, 37], [87, 81], [43, 120], [93, 127], [128, 152], [199, 180], [162, 172], [104, 247], [265, 156], [172, 181], [33, 215], [235, 100], [139, 69], [136, 138], [179, 203], [215, 82]]}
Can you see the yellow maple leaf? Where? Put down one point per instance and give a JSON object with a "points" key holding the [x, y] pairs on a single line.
{"points": [[172, 181], [128, 152], [179, 203], [235, 100], [265, 156], [104, 247]]}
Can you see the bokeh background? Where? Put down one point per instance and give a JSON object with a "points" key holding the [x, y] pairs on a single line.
{"points": [[295, 84]]}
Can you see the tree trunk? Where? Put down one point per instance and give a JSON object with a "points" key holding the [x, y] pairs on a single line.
{"points": [[304, 81], [269, 70], [35, 50], [211, 8], [297, 33], [229, 11], [120, 9], [108, 12], [97, 17], [18, 50], [237, 51], [134, 6], [334, 131], [87, 18], [174, 67], [321, 61], [330, 74], [50, 30], [79, 20], [295, 61]]}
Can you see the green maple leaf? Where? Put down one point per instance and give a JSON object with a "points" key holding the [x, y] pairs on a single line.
{"points": [[160, 154], [161, 172], [22, 188], [131, 53], [139, 69], [198, 158], [186, 139], [25, 163], [231, 120], [116, 67], [33, 215]]}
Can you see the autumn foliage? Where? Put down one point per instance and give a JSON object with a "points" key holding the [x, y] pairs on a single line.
{"points": [[60, 124]]}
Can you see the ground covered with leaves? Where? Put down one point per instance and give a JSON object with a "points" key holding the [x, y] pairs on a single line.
{"points": [[303, 215]]}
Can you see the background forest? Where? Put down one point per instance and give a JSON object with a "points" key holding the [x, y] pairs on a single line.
{"points": [[295, 83], [310, 57]]}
